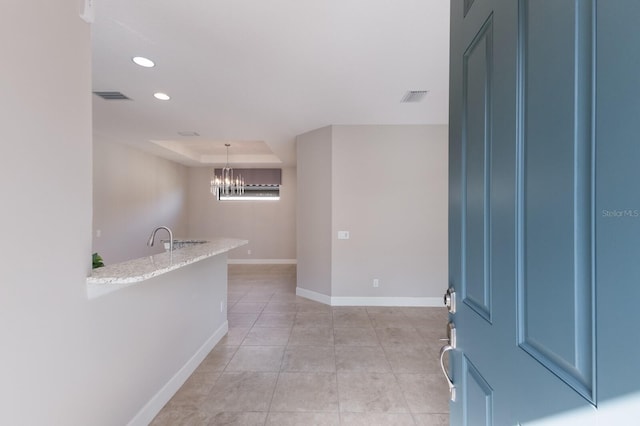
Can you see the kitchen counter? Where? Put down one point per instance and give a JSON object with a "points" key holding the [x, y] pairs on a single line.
{"points": [[113, 277]]}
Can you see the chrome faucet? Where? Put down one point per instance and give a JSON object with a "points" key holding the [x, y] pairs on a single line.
{"points": [[153, 236]]}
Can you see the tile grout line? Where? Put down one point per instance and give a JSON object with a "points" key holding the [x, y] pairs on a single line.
{"points": [[281, 364], [273, 393], [335, 362]]}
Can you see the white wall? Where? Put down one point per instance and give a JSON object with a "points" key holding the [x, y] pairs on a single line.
{"points": [[66, 360], [133, 193], [389, 190], [270, 226], [314, 210]]}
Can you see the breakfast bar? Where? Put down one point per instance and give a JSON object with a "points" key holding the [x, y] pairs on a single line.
{"points": [[121, 275]]}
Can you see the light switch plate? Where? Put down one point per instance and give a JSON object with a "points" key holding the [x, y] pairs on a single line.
{"points": [[343, 235]]}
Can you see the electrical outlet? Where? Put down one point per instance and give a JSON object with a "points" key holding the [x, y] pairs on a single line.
{"points": [[249, 252], [221, 307], [98, 233], [376, 282]]}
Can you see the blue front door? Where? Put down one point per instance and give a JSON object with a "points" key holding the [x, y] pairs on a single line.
{"points": [[544, 207]]}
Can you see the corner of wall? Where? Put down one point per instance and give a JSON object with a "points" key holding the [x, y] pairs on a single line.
{"points": [[314, 210]]}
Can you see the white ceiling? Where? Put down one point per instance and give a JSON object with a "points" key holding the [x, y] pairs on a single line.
{"points": [[256, 73]]}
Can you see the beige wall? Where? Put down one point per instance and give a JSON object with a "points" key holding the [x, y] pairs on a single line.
{"points": [[134, 192], [389, 190], [45, 158], [314, 210], [270, 226]]}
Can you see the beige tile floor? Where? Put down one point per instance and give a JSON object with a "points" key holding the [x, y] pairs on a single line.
{"points": [[290, 361]]}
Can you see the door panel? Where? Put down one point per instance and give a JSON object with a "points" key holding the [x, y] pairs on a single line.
{"points": [[555, 219], [478, 397], [476, 155]]}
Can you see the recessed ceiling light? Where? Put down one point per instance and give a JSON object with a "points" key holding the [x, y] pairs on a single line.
{"points": [[143, 62], [162, 96]]}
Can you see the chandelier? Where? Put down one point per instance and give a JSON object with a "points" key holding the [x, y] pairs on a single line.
{"points": [[226, 184]]}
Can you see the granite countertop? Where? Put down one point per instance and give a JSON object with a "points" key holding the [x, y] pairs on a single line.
{"points": [[141, 269]]}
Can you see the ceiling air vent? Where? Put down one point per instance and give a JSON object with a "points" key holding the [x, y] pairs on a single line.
{"points": [[414, 96], [112, 96]]}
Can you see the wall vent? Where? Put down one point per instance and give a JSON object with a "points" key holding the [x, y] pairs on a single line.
{"points": [[414, 96], [112, 96]]}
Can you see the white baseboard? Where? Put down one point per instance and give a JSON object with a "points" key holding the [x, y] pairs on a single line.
{"points": [[431, 302], [312, 295], [370, 301], [262, 261], [155, 404]]}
